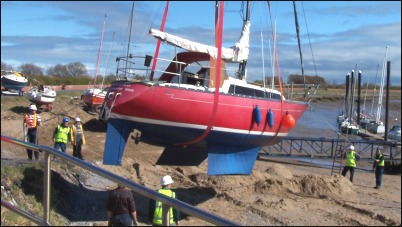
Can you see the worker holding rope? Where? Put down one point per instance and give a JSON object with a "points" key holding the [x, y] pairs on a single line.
{"points": [[350, 162]]}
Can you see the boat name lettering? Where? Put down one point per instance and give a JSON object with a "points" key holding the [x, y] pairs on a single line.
{"points": [[129, 89]]}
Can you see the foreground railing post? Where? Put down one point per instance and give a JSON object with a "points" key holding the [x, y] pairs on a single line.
{"points": [[46, 187], [165, 215]]}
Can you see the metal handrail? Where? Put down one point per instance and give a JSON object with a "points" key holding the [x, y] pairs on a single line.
{"points": [[138, 188], [23, 213]]}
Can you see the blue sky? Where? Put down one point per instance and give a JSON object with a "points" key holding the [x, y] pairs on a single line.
{"points": [[336, 36]]}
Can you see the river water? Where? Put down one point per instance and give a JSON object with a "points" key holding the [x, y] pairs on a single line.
{"points": [[320, 119]]}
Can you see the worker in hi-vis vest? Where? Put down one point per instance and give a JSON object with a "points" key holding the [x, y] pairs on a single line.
{"points": [[61, 135], [350, 162], [77, 138], [30, 125], [155, 207]]}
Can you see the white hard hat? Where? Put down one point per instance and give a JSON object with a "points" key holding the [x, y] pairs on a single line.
{"points": [[32, 107], [166, 180], [351, 147], [77, 119]]}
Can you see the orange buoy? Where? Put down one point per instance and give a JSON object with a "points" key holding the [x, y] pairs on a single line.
{"points": [[288, 120]]}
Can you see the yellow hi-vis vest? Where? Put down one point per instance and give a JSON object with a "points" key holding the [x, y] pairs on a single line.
{"points": [[73, 134], [350, 159], [382, 162], [62, 134], [158, 207]]}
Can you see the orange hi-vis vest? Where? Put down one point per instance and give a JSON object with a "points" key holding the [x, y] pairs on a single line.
{"points": [[31, 120]]}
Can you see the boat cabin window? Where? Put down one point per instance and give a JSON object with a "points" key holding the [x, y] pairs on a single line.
{"points": [[199, 78], [252, 92]]}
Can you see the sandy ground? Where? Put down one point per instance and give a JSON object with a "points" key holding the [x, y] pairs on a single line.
{"points": [[280, 191]]}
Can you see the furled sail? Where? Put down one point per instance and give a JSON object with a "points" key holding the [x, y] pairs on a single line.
{"points": [[237, 53]]}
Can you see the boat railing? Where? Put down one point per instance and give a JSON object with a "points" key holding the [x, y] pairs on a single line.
{"points": [[126, 66], [131, 66], [299, 91], [135, 187]]}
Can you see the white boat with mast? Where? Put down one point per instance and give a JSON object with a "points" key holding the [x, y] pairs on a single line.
{"points": [[93, 97], [377, 126], [199, 107], [366, 118], [347, 124]]}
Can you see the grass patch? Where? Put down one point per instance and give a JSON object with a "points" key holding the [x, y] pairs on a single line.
{"points": [[26, 192]]}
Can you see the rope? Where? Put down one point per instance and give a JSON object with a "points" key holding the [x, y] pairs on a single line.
{"points": [[279, 78], [346, 140], [218, 76], [162, 28], [58, 114]]}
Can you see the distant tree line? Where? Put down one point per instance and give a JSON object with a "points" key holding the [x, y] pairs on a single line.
{"points": [[76, 73], [316, 80], [69, 74]]}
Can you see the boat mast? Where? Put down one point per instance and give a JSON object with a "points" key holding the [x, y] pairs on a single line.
{"points": [[242, 65], [300, 52], [129, 38], [99, 51], [107, 62], [365, 96], [384, 67], [374, 90], [352, 94]]}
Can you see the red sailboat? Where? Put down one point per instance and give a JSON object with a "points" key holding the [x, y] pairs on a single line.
{"points": [[196, 109]]}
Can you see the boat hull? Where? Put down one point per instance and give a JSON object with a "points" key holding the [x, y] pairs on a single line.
{"points": [[351, 130], [194, 124], [395, 133], [93, 98], [171, 115], [13, 83], [46, 97], [376, 128]]}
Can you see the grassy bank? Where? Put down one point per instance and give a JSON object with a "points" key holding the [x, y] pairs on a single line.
{"points": [[338, 94]]}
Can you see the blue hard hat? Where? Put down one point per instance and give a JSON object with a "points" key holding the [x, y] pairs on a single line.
{"points": [[65, 119]]}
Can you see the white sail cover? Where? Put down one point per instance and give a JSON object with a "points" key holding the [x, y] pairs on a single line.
{"points": [[237, 53]]}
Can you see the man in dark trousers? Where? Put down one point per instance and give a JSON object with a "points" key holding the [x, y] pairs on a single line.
{"points": [[31, 122], [121, 209], [378, 165], [155, 207], [350, 162], [77, 138]]}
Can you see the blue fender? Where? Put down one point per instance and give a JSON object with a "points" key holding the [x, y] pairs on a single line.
{"points": [[270, 120], [257, 115]]}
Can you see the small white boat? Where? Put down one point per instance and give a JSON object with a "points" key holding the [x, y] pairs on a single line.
{"points": [[13, 82], [41, 95]]}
